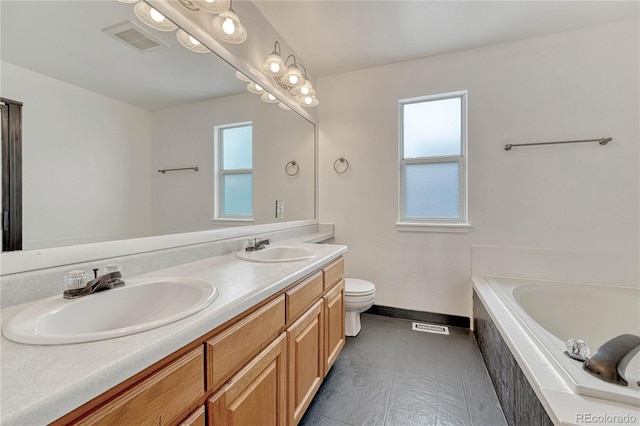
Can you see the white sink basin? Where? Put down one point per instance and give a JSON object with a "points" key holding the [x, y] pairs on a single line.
{"points": [[138, 306], [277, 254]]}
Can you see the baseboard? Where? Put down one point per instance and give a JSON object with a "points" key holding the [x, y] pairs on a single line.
{"points": [[444, 319]]}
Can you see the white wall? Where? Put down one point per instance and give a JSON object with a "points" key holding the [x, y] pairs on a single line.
{"points": [[576, 85], [183, 137], [74, 141]]}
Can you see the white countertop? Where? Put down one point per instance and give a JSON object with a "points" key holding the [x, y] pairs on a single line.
{"points": [[39, 384]]}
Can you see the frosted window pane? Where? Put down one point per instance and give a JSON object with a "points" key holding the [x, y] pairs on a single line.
{"points": [[237, 149], [432, 128], [432, 190], [237, 194]]}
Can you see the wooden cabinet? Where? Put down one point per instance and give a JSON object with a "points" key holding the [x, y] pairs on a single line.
{"points": [[261, 368], [197, 418], [161, 399], [303, 295], [333, 273], [234, 347], [334, 316], [256, 394], [306, 361]]}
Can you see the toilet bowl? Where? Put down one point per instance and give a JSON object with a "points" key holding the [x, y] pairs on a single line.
{"points": [[358, 297]]}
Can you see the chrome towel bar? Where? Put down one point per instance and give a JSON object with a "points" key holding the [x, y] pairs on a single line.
{"points": [[195, 169], [601, 141]]}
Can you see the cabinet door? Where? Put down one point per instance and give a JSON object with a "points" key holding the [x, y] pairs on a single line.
{"points": [[306, 361], [256, 394], [334, 324]]}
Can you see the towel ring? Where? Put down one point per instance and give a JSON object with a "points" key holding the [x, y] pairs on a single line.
{"points": [[343, 169], [289, 166]]}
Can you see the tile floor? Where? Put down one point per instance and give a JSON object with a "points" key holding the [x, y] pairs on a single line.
{"points": [[391, 375]]}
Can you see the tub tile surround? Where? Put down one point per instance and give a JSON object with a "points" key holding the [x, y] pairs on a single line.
{"points": [[66, 380], [23, 287], [563, 406], [620, 269]]}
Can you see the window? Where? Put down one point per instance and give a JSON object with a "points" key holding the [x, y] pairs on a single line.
{"points": [[234, 172], [433, 166]]}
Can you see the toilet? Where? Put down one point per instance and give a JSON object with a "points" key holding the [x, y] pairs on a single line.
{"points": [[358, 297]]}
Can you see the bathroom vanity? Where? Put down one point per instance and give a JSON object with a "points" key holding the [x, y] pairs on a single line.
{"points": [[257, 355]]}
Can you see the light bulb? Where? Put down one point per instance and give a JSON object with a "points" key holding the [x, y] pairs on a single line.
{"points": [[258, 87], [293, 79], [271, 97], [196, 42], [210, 1], [274, 67], [308, 100], [156, 16], [228, 26], [304, 90]]}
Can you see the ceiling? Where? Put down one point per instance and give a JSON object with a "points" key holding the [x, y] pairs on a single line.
{"points": [[336, 36]]}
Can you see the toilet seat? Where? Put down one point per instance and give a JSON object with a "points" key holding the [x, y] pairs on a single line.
{"points": [[358, 288]]}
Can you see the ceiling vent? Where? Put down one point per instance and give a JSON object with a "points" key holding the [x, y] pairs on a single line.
{"points": [[135, 37]]}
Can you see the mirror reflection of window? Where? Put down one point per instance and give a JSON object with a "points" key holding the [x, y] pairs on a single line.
{"points": [[234, 177]]}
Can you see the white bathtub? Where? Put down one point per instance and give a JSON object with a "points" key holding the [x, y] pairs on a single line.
{"points": [[535, 319]]}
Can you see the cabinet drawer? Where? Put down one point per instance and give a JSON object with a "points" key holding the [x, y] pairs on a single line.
{"points": [[333, 273], [197, 418], [234, 347], [160, 399], [300, 297]]}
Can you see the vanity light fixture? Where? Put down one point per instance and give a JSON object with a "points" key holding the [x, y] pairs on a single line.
{"points": [[269, 98], [242, 77], [255, 88], [291, 76], [228, 28], [274, 65], [212, 6], [284, 106], [189, 42], [152, 17]]}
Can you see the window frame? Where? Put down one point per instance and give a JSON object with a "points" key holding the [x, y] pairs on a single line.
{"points": [[220, 172], [434, 224]]}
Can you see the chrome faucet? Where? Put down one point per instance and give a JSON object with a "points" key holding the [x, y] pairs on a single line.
{"points": [[257, 244], [610, 361], [103, 282]]}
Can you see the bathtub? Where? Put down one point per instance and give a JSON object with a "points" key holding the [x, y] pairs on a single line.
{"points": [[535, 318]]}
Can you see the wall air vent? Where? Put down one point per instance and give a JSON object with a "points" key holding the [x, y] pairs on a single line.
{"points": [[135, 37]]}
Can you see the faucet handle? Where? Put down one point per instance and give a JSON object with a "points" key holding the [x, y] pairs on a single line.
{"points": [[113, 267], [75, 279]]}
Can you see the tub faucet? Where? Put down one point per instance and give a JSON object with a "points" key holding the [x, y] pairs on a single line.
{"points": [[257, 244], [103, 282], [610, 361]]}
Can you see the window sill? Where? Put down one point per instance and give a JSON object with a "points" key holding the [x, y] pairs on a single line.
{"points": [[231, 221], [454, 228]]}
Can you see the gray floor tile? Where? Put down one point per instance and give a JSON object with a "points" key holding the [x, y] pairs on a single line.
{"points": [[485, 414], [452, 410], [410, 406], [352, 398], [408, 377], [314, 419], [392, 375]]}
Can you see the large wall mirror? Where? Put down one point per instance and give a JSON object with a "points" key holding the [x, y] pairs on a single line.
{"points": [[100, 118]]}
